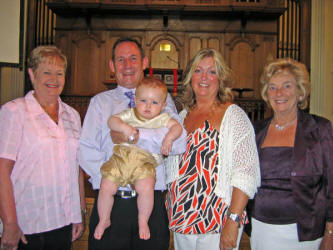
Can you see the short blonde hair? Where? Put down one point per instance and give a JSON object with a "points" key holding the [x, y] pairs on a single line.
{"points": [[223, 73], [152, 82], [41, 53], [287, 66]]}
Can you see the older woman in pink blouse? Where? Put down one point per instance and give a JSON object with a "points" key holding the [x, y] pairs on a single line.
{"points": [[39, 173]]}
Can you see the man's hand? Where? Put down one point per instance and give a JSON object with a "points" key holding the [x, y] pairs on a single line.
{"points": [[77, 231], [130, 133], [11, 236], [118, 137]]}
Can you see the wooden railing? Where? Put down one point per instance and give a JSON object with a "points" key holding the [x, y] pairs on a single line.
{"points": [[257, 6], [255, 109], [80, 103]]}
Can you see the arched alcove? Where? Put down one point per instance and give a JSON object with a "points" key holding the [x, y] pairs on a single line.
{"points": [[242, 64], [165, 58]]}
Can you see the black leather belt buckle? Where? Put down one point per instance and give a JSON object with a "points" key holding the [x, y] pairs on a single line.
{"points": [[124, 194]]}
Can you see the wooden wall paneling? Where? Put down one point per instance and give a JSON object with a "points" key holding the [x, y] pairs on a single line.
{"points": [[87, 63], [205, 40], [242, 64], [185, 52], [108, 75], [235, 38], [11, 79], [223, 48], [204, 43], [214, 43], [137, 37], [182, 52], [194, 46], [265, 53], [62, 40], [104, 70], [269, 50], [242, 50]]}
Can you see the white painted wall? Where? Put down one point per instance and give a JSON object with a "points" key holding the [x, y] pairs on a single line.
{"points": [[10, 31], [328, 99], [321, 99]]}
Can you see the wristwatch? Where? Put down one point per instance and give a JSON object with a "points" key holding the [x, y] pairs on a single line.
{"points": [[234, 217]]}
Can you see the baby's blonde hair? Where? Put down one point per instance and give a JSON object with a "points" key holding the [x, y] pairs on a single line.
{"points": [[152, 82]]}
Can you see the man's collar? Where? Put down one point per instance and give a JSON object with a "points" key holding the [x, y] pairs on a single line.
{"points": [[123, 89]]}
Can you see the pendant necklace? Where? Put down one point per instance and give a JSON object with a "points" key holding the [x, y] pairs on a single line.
{"points": [[280, 128]]}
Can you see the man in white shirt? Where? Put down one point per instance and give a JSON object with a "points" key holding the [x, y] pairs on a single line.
{"points": [[128, 62]]}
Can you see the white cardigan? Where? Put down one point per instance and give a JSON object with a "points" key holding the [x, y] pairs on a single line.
{"points": [[238, 156]]}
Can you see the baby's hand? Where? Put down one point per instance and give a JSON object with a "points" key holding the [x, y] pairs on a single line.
{"points": [[166, 146]]}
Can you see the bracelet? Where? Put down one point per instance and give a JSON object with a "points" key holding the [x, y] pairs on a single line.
{"points": [[329, 231], [84, 211]]}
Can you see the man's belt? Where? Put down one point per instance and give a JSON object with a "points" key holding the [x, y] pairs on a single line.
{"points": [[126, 194]]}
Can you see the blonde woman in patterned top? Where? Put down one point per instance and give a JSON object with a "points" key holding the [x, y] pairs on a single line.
{"points": [[210, 184]]}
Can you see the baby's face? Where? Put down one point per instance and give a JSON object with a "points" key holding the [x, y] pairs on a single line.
{"points": [[149, 102]]}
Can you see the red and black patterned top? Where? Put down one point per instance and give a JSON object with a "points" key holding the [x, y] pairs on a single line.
{"points": [[193, 206]]}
